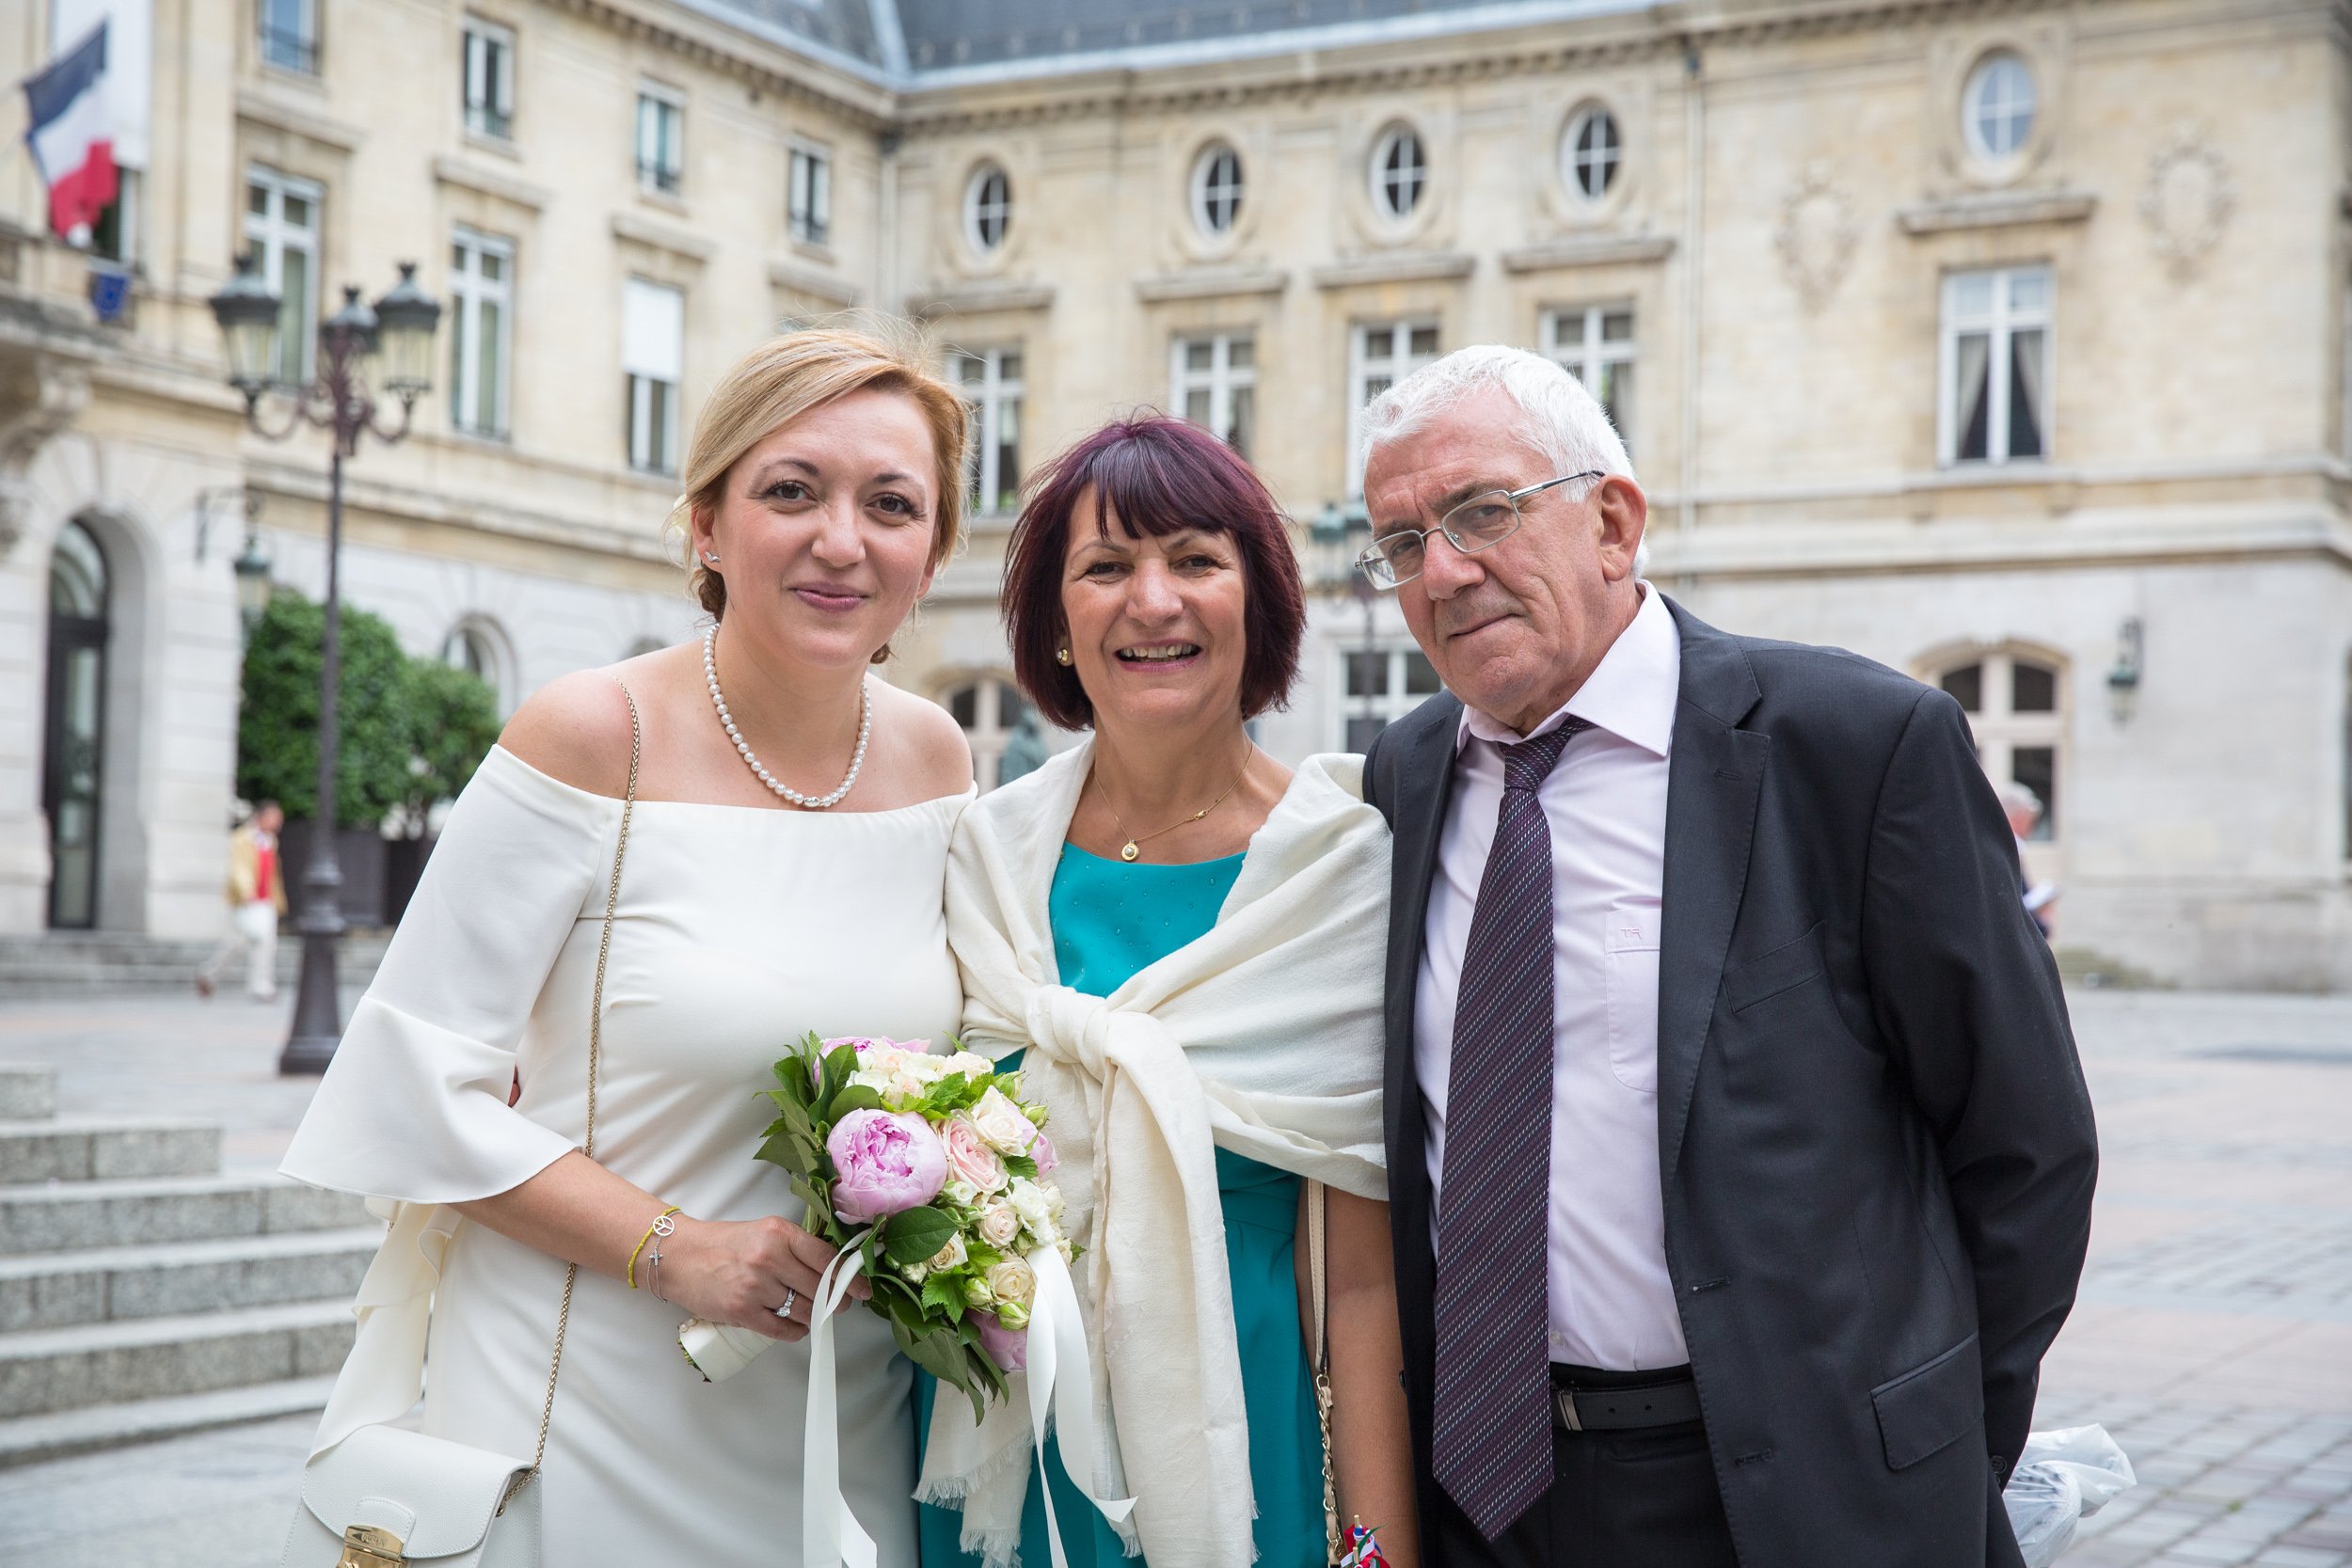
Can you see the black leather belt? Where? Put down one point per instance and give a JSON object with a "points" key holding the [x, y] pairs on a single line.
{"points": [[1623, 1409]]}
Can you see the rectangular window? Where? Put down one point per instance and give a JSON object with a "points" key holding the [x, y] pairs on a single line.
{"points": [[1381, 685], [489, 78], [281, 227], [653, 355], [481, 335], [289, 34], [990, 379], [1594, 345], [660, 140], [1214, 380], [116, 234], [1995, 354], [809, 201], [1380, 354]]}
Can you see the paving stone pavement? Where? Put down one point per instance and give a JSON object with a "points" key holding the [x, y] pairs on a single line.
{"points": [[2213, 1337]]}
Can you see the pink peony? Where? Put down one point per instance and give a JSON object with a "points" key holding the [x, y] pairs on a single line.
{"points": [[969, 1158], [884, 1162], [1008, 1347]]}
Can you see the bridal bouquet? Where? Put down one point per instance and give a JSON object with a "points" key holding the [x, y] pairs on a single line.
{"points": [[930, 1167]]}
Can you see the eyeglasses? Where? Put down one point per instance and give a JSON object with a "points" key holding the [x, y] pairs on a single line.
{"points": [[1486, 518]]}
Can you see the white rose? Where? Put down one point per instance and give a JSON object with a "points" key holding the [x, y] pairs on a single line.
{"points": [[952, 1256], [871, 1078], [977, 1294], [1002, 1124], [960, 1193], [1013, 1281], [970, 1063], [1034, 1205], [907, 1084], [999, 1225], [923, 1065], [917, 1273]]}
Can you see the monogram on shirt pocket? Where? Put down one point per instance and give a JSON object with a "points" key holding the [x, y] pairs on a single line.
{"points": [[1629, 956]]}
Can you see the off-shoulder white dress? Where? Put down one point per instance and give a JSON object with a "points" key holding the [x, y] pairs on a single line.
{"points": [[738, 929]]}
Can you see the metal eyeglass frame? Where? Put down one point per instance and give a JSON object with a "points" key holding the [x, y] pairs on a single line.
{"points": [[1377, 567]]}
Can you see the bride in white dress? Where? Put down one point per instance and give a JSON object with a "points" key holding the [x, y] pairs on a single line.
{"points": [[823, 492]]}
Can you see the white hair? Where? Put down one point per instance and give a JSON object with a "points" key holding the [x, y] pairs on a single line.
{"points": [[2019, 794], [1560, 421]]}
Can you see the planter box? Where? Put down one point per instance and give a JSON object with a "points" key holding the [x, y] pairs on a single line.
{"points": [[360, 853]]}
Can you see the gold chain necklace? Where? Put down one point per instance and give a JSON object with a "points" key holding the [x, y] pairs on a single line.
{"points": [[1128, 850]]}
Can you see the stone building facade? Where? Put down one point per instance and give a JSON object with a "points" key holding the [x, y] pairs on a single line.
{"points": [[2005, 343]]}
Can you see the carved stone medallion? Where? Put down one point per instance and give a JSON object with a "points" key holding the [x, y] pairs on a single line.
{"points": [[2188, 199], [1817, 235]]}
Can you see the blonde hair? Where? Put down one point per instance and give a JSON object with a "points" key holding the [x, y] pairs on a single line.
{"points": [[787, 376]]}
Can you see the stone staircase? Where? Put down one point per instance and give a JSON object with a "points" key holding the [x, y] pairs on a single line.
{"points": [[50, 964], [143, 1293]]}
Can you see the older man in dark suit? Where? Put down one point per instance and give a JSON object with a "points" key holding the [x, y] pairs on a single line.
{"points": [[1740, 1162]]}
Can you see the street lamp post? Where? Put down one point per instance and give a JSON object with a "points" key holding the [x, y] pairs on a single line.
{"points": [[361, 348]]}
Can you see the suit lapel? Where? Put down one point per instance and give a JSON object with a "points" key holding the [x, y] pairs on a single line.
{"points": [[1714, 783], [1424, 788]]}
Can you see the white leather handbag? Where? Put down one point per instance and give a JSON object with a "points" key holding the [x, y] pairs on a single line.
{"points": [[377, 1495]]}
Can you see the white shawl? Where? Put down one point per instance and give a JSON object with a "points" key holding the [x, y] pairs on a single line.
{"points": [[1262, 1037]]}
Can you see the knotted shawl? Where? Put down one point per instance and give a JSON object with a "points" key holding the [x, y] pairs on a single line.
{"points": [[1262, 1037]]}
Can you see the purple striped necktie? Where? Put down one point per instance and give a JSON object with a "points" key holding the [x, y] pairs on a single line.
{"points": [[1492, 1450]]}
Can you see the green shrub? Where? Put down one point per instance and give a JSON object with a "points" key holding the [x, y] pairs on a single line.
{"points": [[278, 747], [453, 721]]}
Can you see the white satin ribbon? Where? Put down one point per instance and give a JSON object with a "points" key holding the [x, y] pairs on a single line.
{"points": [[831, 1537], [1060, 1364]]}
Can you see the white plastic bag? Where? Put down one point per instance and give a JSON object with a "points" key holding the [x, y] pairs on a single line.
{"points": [[2061, 1478]]}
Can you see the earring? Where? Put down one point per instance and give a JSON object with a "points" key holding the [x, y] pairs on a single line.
{"points": [[712, 556], [1061, 656]]}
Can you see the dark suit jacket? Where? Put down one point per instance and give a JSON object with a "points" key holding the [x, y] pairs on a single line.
{"points": [[1874, 1140]]}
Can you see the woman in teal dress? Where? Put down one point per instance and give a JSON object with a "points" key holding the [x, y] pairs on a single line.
{"points": [[1185, 940]]}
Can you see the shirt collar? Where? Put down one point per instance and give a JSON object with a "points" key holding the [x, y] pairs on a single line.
{"points": [[1631, 694]]}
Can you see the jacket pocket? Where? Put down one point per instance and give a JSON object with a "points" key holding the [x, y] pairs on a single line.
{"points": [[1931, 1406], [1630, 952], [1782, 969]]}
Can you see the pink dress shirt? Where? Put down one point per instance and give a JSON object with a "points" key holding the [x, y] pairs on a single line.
{"points": [[1613, 1304]]}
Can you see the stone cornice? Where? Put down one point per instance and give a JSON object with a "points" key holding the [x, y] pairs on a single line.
{"points": [[870, 106], [1595, 250], [1212, 283], [1996, 210], [661, 237], [258, 106], [1410, 266], [972, 299], [483, 182], [785, 274]]}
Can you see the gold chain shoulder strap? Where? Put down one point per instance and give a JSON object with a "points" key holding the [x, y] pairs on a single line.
{"points": [[596, 1056], [1316, 1277]]}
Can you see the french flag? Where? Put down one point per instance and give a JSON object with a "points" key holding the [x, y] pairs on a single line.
{"points": [[72, 135]]}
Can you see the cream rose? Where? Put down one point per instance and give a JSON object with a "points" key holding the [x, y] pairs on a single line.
{"points": [[1013, 1282], [952, 1256], [1002, 1124], [999, 1225], [1035, 1206], [970, 1159]]}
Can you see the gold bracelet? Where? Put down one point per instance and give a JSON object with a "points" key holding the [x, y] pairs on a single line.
{"points": [[663, 1226]]}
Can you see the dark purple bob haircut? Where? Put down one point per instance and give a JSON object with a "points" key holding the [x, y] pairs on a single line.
{"points": [[1159, 476]]}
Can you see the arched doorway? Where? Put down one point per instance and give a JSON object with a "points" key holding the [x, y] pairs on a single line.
{"points": [[72, 754]]}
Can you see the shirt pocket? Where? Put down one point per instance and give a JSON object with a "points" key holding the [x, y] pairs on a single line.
{"points": [[1629, 959]]}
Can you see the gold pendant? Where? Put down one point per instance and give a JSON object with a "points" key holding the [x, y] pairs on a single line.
{"points": [[1127, 851]]}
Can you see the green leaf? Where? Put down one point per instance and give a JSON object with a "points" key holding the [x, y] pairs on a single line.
{"points": [[916, 1234], [939, 1353], [838, 1067], [786, 1151], [942, 1293], [854, 1097], [1021, 1164]]}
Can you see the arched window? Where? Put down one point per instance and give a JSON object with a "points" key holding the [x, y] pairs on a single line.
{"points": [[478, 648], [1590, 153], [987, 208], [75, 724], [1400, 172], [1217, 189], [1001, 726], [1998, 105], [2016, 702]]}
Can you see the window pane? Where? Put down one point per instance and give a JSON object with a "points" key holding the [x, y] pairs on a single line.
{"points": [[1972, 293], [297, 211], [1011, 708], [294, 315], [1199, 353], [2033, 688], [1241, 424], [1424, 340], [1197, 406], [1375, 384], [492, 385], [1241, 352], [1616, 326], [2024, 394], [460, 350], [964, 703], [971, 369], [1420, 677], [2036, 768], [1966, 685], [2029, 290], [1378, 342], [1008, 364], [1367, 674], [1972, 403], [1362, 732], [257, 200]]}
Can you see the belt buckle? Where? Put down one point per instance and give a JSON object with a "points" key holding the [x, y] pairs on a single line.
{"points": [[1568, 1408]]}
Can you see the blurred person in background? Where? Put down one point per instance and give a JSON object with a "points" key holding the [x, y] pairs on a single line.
{"points": [[2023, 808], [257, 898]]}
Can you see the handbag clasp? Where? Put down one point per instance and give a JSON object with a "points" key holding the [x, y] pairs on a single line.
{"points": [[371, 1546]]}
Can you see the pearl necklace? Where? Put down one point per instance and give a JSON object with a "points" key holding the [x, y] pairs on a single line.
{"points": [[811, 802]]}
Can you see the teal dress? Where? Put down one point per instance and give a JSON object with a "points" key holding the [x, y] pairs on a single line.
{"points": [[1110, 919]]}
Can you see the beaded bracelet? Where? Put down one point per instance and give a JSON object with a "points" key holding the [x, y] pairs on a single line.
{"points": [[663, 1226]]}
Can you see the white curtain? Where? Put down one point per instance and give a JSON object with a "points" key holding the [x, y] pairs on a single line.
{"points": [[653, 330]]}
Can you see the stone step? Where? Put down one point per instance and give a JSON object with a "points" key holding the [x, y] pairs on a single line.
{"points": [[66, 1368], [27, 1439], [102, 1148], [56, 964], [68, 1216], [57, 1290], [28, 1093]]}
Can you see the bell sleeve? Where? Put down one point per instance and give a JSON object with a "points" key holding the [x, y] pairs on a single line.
{"points": [[413, 1107]]}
